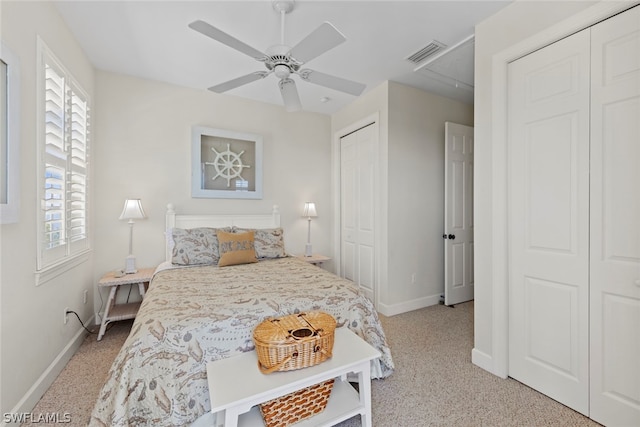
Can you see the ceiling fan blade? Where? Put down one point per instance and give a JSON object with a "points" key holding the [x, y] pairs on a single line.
{"points": [[232, 84], [332, 82], [322, 39], [224, 38], [290, 95]]}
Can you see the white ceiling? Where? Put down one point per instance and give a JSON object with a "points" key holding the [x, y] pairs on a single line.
{"points": [[151, 39]]}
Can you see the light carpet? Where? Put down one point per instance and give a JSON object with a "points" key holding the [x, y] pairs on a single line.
{"points": [[434, 384]]}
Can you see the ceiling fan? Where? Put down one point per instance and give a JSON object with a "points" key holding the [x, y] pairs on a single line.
{"points": [[283, 61]]}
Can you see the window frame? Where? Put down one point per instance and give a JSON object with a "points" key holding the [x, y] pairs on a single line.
{"points": [[70, 252], [10, 210]]}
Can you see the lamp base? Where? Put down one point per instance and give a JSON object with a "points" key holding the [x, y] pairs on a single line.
{"points": [[130, 264], [307, 250]]}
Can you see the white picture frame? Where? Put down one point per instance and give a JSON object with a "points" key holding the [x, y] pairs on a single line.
{"points": [[10, 140], [225, 164]]}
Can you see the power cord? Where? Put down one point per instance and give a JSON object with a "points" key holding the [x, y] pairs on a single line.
{"points": [[79, 320]]}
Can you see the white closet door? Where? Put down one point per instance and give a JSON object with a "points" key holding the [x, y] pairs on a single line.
{"points": [[615, 221], [549, 221], [357, 208]]}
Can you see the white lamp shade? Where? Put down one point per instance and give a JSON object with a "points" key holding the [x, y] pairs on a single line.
{"points": [[132, 210], [309, 210]]}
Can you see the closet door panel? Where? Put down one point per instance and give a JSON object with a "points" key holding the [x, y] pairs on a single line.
{"points": [[615, 221], [357, 177], [551, 145], [366, 209], [366, 183], [349, 208], [620, 172], [549, 221]]}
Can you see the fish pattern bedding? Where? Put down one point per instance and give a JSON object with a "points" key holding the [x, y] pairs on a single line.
{"points": [[193, 315]]}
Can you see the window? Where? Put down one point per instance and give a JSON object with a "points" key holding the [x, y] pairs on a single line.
{"points": [[64, 164]]}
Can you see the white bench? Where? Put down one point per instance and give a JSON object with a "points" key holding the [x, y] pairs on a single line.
{"points": [[236, 385]]}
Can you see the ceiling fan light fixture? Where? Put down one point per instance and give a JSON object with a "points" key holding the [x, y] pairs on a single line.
{"points": [[281, 71]]}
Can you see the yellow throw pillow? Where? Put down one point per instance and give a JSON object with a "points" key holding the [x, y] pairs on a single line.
{"points": [[236, 248]]}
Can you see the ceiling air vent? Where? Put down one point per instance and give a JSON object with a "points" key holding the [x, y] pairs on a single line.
{"points": [[431, 49]]}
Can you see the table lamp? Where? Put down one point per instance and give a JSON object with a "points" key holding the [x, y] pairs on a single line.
{"points": [[309, 212], [132, 210]]}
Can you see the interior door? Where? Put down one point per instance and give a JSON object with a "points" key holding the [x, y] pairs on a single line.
{"points": [[357, 208], [458, 214], [615, 221], [549, 220]]}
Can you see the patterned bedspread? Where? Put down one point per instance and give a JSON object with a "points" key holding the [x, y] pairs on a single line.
{"points": [[194, 315]]}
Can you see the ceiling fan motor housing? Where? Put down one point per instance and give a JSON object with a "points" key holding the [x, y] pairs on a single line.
{"points": [[280, 62]]}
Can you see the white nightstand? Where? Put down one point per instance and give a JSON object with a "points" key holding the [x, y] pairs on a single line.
{"points": [[315, 259], [114, 312]]}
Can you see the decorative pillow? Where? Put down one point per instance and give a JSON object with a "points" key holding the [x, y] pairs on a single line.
{"points": [[269, 242], [195, 246], [236, 248]]}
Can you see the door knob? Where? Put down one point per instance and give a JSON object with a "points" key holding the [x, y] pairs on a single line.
{"points": [[452, 236], [444, 236]]}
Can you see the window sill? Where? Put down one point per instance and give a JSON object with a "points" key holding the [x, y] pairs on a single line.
{"points": [[55, 270]]}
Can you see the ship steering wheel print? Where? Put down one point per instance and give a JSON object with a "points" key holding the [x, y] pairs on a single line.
{"points": [[228, 165]]}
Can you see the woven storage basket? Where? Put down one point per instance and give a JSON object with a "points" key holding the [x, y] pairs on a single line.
{"points": [[295, 341], [297, 406]]}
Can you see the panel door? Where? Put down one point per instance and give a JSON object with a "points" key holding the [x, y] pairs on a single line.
{"points": [[549, 221], [615, 221], [348, 206], [357, 208], [458, 214]]}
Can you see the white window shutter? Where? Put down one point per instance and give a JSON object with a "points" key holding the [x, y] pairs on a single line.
{"points": [[65, 165], [55, 160], [78, 182]]}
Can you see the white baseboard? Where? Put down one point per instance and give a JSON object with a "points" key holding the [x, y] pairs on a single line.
{"points": [[482, 360], [403, 307], [42, 384]]}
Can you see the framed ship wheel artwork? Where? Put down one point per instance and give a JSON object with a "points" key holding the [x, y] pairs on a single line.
{"points": [[226, 164]]}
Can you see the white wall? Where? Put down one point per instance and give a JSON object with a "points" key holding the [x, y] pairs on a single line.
{"points": [[32, 331], [143, 149], [416, 149], [411, 141], [508, 28]]}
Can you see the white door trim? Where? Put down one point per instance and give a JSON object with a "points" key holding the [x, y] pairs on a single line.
{"points": [[379, 200], [499, 364]]}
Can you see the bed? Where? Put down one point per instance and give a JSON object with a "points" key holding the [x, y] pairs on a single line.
{"points": [[196, 312]]}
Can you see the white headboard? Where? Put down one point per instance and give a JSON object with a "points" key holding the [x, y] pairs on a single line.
{"points": [[173, 220]]}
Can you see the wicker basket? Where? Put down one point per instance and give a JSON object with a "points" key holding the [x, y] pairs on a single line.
{"points": [[296, 406], [295, 341]]}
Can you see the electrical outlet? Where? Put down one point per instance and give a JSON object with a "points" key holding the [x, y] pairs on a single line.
{"points": [[84, 296], [413, 278], [66, 319]]}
